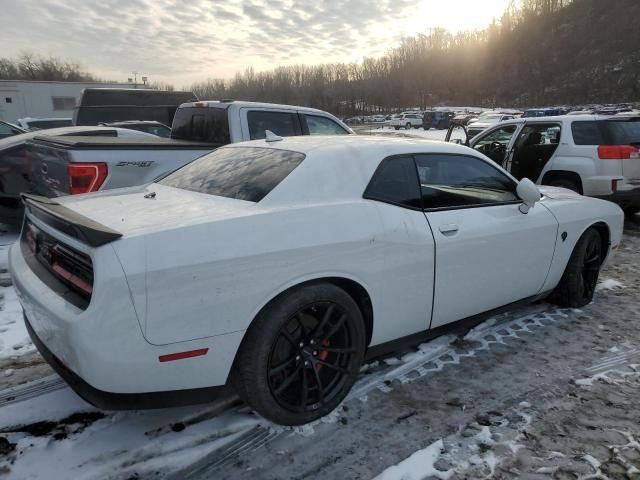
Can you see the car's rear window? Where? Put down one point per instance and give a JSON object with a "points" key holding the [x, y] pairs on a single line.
{"points": [[201, 124], [242, 173], [606, 132]]}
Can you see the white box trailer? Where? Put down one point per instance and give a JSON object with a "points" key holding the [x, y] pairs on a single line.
{"points": [[24, 98]]}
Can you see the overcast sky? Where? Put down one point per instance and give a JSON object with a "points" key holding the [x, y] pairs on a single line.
{"points": [[181, 41]]}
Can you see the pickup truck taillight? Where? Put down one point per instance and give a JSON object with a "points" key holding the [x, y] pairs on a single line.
{"points": [[617, 152], [86, 177]]}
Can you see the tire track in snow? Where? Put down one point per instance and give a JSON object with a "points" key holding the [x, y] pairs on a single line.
{"points": [[431, 357]]}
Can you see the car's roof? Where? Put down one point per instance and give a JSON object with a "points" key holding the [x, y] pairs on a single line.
{"points": [[338, 168], [239, 104], [52, 132], [363, 143]]}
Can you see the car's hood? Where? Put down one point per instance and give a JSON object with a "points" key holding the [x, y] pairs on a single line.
{"points": [[136, 210], [558, 193]]}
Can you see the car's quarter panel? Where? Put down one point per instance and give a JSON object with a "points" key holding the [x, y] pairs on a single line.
{"points": [[497, 256], [214, 278], [575, 214], [104, 344]]}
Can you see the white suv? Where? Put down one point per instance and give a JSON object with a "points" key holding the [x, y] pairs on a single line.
{"points": [[406, 120], [593, 155]]}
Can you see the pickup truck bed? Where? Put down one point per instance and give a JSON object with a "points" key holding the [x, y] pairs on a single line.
{"points": [[64, 165]]}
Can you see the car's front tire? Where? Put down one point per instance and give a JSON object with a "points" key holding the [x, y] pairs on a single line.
{"points": [[301, 355], [578, 283]]}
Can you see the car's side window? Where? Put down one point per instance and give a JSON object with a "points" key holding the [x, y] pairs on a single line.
{"points": [[395, 181], [458, 181], [494, 144], [285, 124], [318, 125]]}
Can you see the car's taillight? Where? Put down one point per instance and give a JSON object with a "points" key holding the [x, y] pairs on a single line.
{"points": [[86, 177], [617, 152]]}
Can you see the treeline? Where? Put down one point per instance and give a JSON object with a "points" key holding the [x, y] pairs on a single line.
{"points": [[30, 67], [542, 52]]}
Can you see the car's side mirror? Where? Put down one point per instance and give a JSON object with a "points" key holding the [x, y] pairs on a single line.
{"points": [[528, 193]]}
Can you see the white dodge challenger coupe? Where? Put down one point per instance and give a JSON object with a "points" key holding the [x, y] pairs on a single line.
{"points": [[278, 265]]}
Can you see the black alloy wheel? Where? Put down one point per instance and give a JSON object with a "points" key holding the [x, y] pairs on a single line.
{"points": [[578, 283], [310, 359], [302, 354], [591, 266]]}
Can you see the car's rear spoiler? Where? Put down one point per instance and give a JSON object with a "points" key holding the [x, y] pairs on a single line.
{"points": [[67, 221]]}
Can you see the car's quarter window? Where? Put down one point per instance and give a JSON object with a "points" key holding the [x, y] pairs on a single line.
{"points": [[458, 181], [318, 125], [395, 181], [285, 124], [586, 133], [240, 173]]}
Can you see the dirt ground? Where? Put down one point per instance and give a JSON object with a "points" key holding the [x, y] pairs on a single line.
{"points": [[536, 393], [554, 399]]}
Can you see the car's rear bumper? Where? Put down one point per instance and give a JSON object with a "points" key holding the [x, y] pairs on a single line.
{"points": [[124, 401], [104, 344]]}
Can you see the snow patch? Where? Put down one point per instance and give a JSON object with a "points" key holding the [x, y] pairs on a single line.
{"points": [[14, 339], [418, 466], [609, 284]]}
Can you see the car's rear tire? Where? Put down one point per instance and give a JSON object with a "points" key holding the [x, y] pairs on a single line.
{"points": [[578, 283], [301, 355]]}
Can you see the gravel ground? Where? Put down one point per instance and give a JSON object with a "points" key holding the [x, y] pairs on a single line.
{"points": [[553, 395], [535, 393]]}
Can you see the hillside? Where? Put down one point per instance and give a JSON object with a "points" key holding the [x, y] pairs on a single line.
{"points": [[544, 52]]}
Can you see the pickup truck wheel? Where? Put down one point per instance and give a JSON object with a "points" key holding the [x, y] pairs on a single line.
{"points": [[301, 355], [578, 283], [408, 125], [631, 211]]}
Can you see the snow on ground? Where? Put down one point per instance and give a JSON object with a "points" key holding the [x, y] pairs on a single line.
{"points": [[608, 284], [418, 466], [413, 132], [14, 339]]}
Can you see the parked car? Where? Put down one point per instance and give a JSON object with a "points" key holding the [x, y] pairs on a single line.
{"points": [[463, 118], [353, 120], [588, 154], [84, 164], [30, 124], [406, 120], [16, 168], [544, 112], [155, 128], [188, 284], [438, 119], [8, 130], [106, 105], [483, 122]]}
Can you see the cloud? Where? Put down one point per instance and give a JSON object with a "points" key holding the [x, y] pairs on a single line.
{"points": [[185, 41]]}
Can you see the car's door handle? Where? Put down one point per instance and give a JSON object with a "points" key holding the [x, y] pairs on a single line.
{"points": [[448, 228]]}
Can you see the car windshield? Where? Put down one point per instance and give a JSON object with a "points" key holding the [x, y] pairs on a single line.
{"points": [[241, 173]]}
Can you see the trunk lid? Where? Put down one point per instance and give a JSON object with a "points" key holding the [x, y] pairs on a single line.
{"points": [[155, 207]]}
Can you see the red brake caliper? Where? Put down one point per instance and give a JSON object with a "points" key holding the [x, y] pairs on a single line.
{"points": [[322, 354]]}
